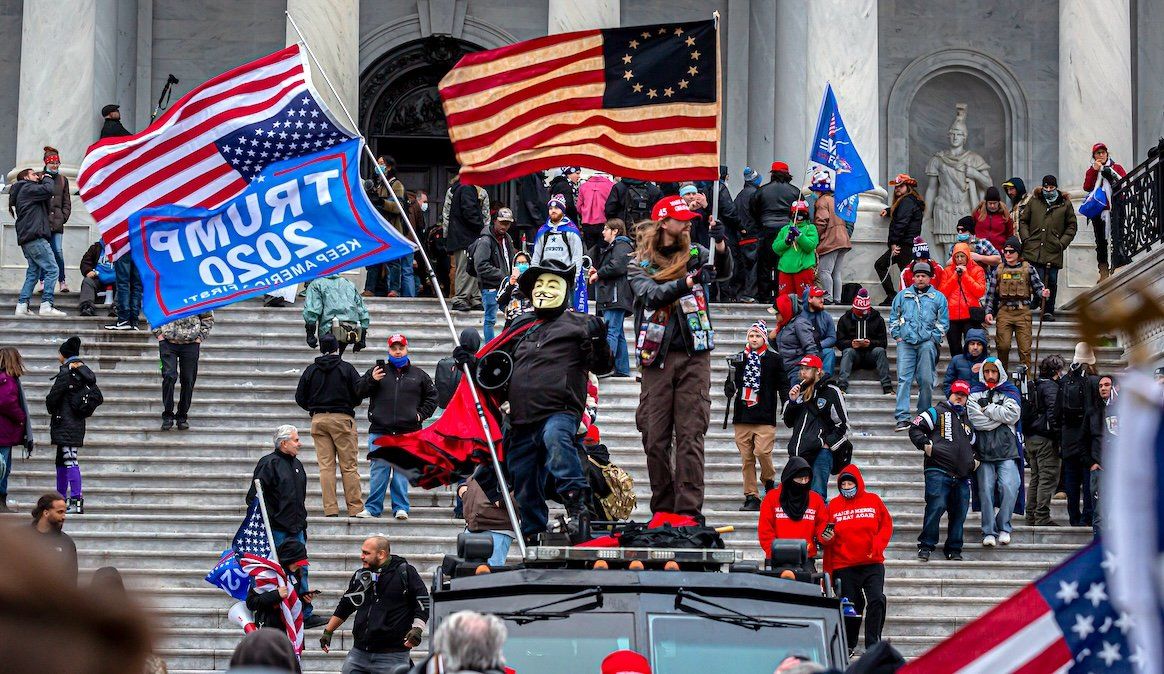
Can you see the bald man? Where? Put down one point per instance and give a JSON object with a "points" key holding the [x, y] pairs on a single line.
{"points": [[387, 627]]}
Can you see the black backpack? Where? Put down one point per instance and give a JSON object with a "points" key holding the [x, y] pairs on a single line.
{"points": [[636, 202], [448, 377], [637, 535], [86, 400], [1073, 394]]}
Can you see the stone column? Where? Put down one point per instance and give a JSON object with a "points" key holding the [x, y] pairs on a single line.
{"points": [[734, 41], [569, 15], [332, 30], [789, 109]]}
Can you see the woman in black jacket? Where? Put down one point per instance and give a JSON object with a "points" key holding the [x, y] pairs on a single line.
{"points": [[612, 291], [905, 222], [67, 427]]}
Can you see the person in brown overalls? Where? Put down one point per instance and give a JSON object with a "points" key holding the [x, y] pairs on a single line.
{"points": [[1008, 296]]}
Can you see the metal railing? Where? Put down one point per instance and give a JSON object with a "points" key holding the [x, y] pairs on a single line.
{"points": [[1137, 209]]}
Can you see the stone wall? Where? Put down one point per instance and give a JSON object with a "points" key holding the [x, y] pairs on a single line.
{"points": [[10, 16], [1148, 86]]}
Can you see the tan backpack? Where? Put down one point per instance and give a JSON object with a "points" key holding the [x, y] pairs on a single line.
{"points": [[621, 500]]}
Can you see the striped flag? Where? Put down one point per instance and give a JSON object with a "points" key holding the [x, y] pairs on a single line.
{"points": [[209, 145], [638, 102], [260, 561], [1063, 622]]}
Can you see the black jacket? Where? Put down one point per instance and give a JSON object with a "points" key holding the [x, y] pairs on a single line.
{"points": [[397, 598], [67, 428], [400, 401], [905, 221], [113, 128], [950, 434], [328, 385], [465, 218], [284, 483], [870, 327], [1104, 429], [1043, 417], [493, 258], [1076, 430], [92, 257], [817, 423], [562, 185], [265, 605], [61, 549], [615, 201], [773, 389], [613, 290], [530, 210], [771, 205], [29, 204], [745, 226], [551, 360]]}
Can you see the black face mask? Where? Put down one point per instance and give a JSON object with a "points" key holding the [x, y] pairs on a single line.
{"points": [[794, 498]]}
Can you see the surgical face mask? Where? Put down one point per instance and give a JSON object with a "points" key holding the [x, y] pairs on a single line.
{"points": [[424, 207], [962, 238], [521, 267], [380, 168], [849, 493]]}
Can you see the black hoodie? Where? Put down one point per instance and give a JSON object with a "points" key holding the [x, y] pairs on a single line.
{"points": [[397, 599], [816, 423], [328, 385]]}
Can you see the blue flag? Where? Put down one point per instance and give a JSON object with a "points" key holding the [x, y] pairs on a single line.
{"points": [[834, 158], [229, 576], [299, 219]]}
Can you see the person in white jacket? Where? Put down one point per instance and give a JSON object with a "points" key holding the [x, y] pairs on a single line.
{"points": [[994, 408]]}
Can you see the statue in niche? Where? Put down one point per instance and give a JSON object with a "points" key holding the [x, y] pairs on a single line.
{"points": [[957, 180]]}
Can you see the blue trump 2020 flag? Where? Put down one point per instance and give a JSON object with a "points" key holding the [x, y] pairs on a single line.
{"points": [[299, 219], [835, 158], [229, 576]]}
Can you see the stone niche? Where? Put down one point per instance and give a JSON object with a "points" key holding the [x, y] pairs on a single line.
{"points": [[932, 111]]}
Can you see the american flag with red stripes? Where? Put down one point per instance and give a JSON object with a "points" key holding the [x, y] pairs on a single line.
{"points": [[1063, 622], [639, 102], [209, 145], [257, 558]]}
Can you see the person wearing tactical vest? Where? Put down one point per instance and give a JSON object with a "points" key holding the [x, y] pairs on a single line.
{"points": [[670, 276], [1078, 404], [1008, 295], [630, 200]]}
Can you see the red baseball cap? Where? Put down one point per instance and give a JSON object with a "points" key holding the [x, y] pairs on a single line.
{"points": [[1094, 148], [398, 338], [960, 386], [816, 291], [672, 207], [625, 662], [811, 361], [779, 166]]}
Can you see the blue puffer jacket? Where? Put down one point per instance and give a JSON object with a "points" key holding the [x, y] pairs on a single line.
{"points": [[962, 365], [917, 317]]}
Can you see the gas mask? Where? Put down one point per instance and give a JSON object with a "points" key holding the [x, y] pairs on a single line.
{"points": [[549, 294]]}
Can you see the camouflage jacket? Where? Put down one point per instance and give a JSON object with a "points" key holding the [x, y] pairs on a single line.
{"points": [[187, 330]]}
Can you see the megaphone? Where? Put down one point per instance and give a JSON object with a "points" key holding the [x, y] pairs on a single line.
{"points": [[494, 370], [239, 613]]}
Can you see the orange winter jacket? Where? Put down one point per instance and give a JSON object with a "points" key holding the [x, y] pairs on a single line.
{"points": [[775, 524], [861, 527], [965, 290]]}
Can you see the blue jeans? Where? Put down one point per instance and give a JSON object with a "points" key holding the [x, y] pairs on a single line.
{"points": [[303, 588], [59, 254], [382, 474], [489, 303], [536, 452], [501, 543], [944, 494], [1005, 476], [822, 469], [915, 361], [828, 359], [41, 262], [400, 276], [617, 340], [127, 289], [5, 469], [364, 662]]}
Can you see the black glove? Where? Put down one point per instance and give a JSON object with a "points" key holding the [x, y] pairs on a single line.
{"points": [[312, 341], [716, 231], [325, 641], [412, 638], [360, 345], [596, 327], [28, 447], [464, 357]]}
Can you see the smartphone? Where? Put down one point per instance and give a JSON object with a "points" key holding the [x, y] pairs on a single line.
{"points": [[828, 529], [380, 364]]}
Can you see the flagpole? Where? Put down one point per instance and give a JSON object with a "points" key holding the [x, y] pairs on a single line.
{"points": [[505, 497], [718, 117], [266, 520]]}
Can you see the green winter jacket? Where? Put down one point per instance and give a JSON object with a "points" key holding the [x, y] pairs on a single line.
{"points": [[334, 297], [801, 254]]}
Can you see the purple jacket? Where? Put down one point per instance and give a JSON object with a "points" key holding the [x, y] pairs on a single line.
{"points": [[13, 418]]}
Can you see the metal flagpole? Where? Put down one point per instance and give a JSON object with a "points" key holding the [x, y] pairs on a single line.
{"points": [[266, 521], [718, 118], [509, 509]]}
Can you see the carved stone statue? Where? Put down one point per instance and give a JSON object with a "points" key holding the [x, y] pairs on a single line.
{"points": [[958, 178]]}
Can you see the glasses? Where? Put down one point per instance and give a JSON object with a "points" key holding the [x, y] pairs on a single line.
{"points": [[1009, 251]]}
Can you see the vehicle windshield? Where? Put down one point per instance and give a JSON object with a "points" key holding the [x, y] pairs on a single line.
{"points": [[689, 644], [572, 645]]}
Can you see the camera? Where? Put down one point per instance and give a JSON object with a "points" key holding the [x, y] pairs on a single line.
{"points": [[735, 361]]}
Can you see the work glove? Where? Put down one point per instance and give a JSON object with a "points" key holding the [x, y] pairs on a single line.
{"points": [[412, 638], [716, 231], [325, 641], [362, 343], [312, 340], [464, 357]]}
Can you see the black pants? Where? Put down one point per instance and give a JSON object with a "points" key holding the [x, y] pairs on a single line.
{"points": [[864, 585], [179, 363], [874, 358], [881, 266], [765, 270], [1077, 482], [956, 337], [743, 283], [1050, 277], [1101, 248]]}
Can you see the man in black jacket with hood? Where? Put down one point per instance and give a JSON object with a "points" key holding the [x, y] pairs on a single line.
{"points": [[944, 433], [530, 210], [815, 411], [467, 208], [28, 203], [631, 201], [862, 339], [391, 606], [327, 390]]}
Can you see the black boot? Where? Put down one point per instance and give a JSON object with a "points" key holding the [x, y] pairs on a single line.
{"points": [[578, 516], [4, 504], [87, 309]]}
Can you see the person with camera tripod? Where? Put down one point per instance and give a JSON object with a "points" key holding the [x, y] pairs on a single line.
{"points": [[391, 606]]}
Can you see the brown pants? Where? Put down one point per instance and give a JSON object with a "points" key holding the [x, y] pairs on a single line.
{"points": [[335, 440], [1016, 323], [675, 402], [755, 443]]}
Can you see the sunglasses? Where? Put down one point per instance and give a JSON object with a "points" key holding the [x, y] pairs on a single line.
{"points": [[1009, 250]]}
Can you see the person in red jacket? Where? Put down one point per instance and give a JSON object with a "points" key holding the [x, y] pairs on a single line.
{"points": [[1105, 172], [991, 221], [855, 553], [793, 511]]}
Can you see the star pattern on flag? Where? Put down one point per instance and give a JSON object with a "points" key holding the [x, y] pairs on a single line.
{"points": [[655, 83], [1068, 592], [1096, 594], [300, 127], [252, 534]]}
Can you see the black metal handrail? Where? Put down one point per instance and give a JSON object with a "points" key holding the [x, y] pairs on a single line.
{"points": [[1137, 208]]}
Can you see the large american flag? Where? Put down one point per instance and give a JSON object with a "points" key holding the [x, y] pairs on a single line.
{"points": [[208, 146], [1063, 622], [255, 556], [638, 102]]}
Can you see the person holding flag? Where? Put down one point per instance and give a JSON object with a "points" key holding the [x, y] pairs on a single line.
{"points": [[266, 602], [796, 247]]}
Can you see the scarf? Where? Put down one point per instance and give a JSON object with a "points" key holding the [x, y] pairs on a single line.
{"points": [[751, 395], [1105, 216], [398, 363]]}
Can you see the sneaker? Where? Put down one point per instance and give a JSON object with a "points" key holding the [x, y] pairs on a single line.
{"points": [[1047, 523], [167, 424], [954, 556], [1004, 538], [923, 555], [751, 504], [366, 293], [47, 309], [401, 515], [276, 302], [183, 425], [460, 307], [64, 289], [314, 621], [1049, 317], [1059, 496], [746, 300], [989, 541], [22, 309], [888, 390], [363, 514], [119, 325], [87, 310], [901, 426]]}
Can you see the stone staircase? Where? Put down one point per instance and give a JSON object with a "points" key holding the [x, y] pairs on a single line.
{"points": [[162, 506]]}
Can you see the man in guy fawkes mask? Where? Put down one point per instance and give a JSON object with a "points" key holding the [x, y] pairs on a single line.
{"points": [[553, 349]]}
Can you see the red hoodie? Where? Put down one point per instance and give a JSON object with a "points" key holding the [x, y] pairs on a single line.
{"points": [[862, 527], [775, 524]]}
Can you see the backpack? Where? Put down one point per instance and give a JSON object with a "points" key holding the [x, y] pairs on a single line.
{"points": [[636, 202], [621, 500], [448, 377], [470, 263], [1074, 394], [695, 537], [86, 400]]}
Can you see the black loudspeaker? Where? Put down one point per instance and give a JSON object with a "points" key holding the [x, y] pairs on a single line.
{"points": [[494, 370]]}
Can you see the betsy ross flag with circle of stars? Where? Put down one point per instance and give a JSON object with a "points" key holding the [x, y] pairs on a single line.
{"points": [[639, 102]]}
